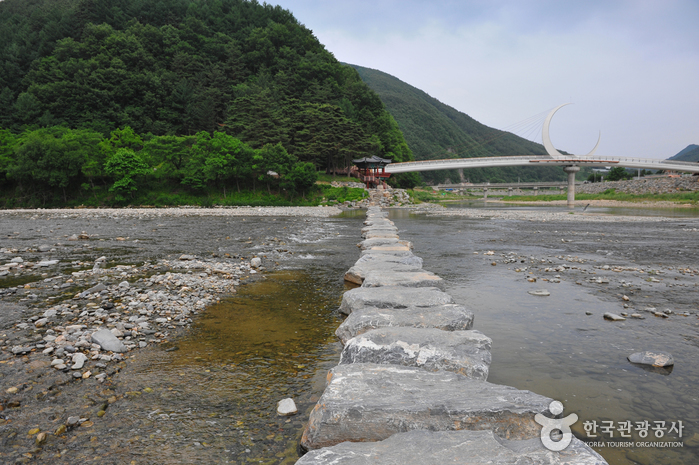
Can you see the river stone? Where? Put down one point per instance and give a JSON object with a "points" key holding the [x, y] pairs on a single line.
{"points": [[17, 260], [45, 263], [463, 352], [256, 262], [98, 288], [108, 341], [455, 447], [286, 407], [393, 297], [420, 278], [653, 358], [539, 292], [44, 248], [79, 360], [448, 317], [358, 272], [368, 402], [613, 317]]}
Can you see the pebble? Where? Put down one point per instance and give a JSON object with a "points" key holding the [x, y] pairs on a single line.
{"points": [[613, 317], [79, 360], [653, 358], [286, 407], [539, 292]]}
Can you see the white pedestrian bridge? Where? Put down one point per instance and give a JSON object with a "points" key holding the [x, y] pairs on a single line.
{"points": [[571, 163], [542, 160]]}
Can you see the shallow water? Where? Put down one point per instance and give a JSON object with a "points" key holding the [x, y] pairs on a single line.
{"points": [[678, 212], [550, 346]]}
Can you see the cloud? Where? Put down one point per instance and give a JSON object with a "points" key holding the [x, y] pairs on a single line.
{"points": [[629, 66]]}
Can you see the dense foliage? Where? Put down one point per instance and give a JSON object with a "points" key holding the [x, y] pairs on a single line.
{"points": [[436, 131], [172, 71]]}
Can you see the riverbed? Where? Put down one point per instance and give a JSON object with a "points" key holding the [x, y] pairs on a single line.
{"points": [[206, 392]]}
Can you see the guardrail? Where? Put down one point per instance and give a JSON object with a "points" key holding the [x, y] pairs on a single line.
{"points": [[524, 160]]}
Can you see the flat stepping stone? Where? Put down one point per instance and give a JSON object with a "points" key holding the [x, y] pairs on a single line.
{"points": [[448, 317], [368, 402], [388, 251], [392, 297], [406, 259], [463, 352], [420, 278], [387, 243], [386, 226], [357, 273], [380, 234], [455, 447]]}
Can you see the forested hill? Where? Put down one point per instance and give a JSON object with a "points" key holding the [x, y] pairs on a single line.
{"points": [[689, 153], [434, 131], [175, 69]]}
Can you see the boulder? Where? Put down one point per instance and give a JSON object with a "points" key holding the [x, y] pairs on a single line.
{"points": [[384, 278], [108, 341], [448, 317], [367, 402], [463, 352], [392, 297], [456, 447], [653, 358]]}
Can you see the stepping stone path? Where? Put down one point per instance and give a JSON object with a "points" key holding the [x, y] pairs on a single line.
{"points": [[411, 386]]}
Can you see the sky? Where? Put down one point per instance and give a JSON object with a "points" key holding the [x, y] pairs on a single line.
{"points": [[630, 67]]}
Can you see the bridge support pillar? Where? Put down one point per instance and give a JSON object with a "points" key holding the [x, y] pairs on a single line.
{"points": [[509, 192], [536, 190], [485, 193], [571, 170]]}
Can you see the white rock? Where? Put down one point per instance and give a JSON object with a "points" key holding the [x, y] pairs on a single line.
{"points": [[256, 262], [286, 407]]}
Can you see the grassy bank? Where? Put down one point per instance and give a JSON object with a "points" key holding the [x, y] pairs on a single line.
{"points": [[611, 194], [429, 195]]}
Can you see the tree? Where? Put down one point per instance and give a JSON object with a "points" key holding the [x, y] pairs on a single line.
{"points": [[618, 173], [53, 157], [272, 159], [126, 167], [7, 146], [302, 177], [168, 155]]}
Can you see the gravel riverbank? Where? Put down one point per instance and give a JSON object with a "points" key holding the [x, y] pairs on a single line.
{"points": [[85, 292]]}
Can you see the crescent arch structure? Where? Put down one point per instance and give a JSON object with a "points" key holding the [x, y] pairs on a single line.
{"points": [[570, 163]]}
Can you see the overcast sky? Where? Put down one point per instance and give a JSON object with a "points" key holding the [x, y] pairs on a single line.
{"points": [[631, 68]]}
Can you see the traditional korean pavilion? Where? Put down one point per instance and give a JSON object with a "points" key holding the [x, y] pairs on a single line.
{"points": [[372, 170]]}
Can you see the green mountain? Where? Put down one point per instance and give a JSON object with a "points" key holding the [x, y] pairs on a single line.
{"points": [[435, 131], [174, 69], [689, 153]]}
